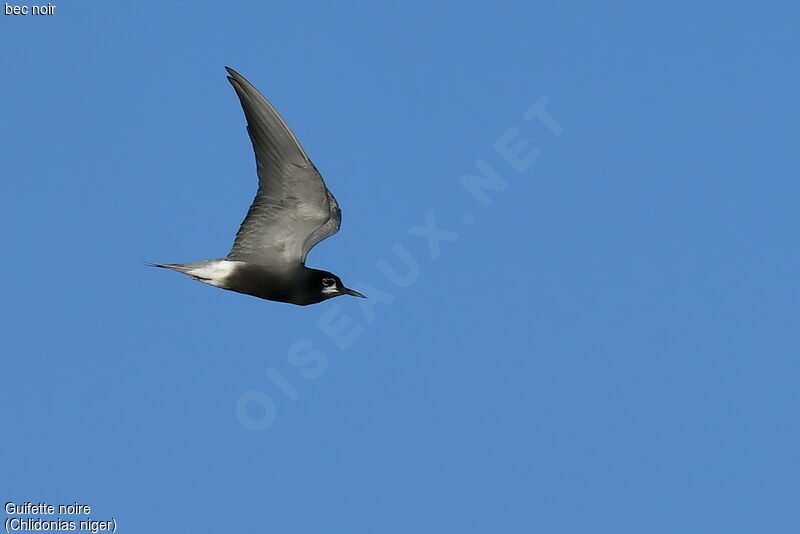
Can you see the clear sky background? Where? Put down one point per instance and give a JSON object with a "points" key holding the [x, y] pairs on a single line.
{"points": [[611, 346]]}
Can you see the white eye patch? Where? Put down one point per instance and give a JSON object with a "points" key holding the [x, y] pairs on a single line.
{"points": [[330, 290]]}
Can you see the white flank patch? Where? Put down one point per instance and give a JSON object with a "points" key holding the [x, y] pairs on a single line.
{"points": [[215, 273]]}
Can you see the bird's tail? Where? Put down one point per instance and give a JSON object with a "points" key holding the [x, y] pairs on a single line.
{"points": [[180, 267], [199, 270]]}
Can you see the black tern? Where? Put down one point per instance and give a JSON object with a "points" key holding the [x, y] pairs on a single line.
{"points": [[293, 211]]}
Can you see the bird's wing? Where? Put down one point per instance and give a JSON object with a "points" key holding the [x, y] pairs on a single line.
{"points": [[293, 209]]}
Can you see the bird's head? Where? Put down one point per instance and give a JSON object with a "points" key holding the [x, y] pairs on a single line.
{"points": [[329, 285]]}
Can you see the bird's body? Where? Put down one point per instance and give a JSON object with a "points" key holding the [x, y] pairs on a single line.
{"points": [[294, 286], [293, 210]]}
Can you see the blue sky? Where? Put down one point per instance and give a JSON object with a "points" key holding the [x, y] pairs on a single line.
{"points": [[610, 346]]}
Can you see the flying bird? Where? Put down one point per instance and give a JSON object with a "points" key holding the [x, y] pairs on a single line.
{"points": [[293, 211]]}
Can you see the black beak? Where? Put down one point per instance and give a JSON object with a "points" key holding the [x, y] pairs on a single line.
{"points": [[353, 292]]}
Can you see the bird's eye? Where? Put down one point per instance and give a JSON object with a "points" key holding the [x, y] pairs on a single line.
{"points": [[328, 282]]}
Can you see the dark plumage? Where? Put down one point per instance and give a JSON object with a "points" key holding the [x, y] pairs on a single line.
{"points": [[293, 210]]}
